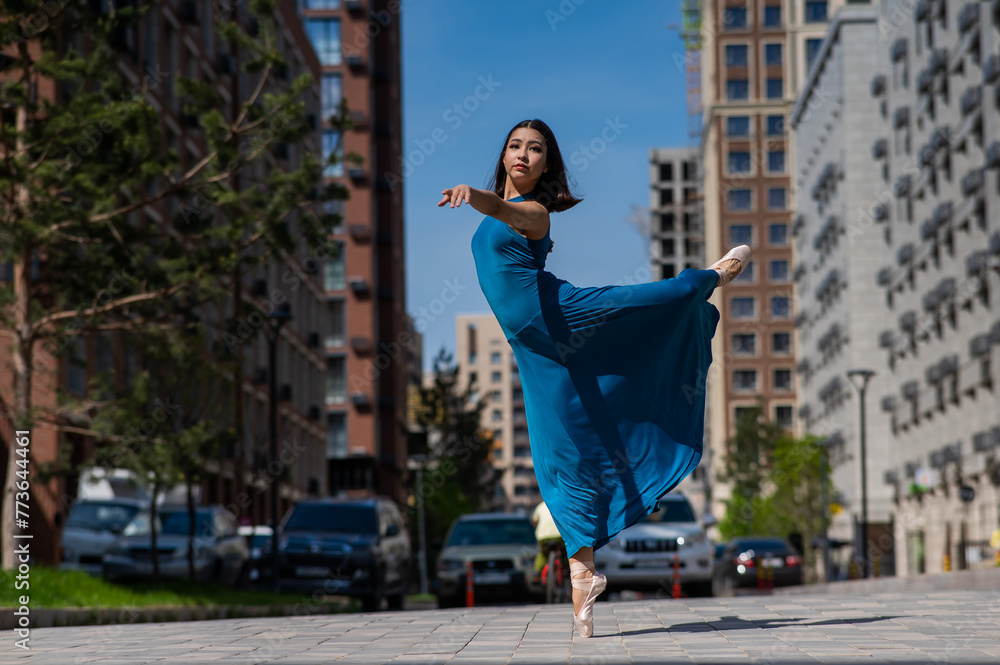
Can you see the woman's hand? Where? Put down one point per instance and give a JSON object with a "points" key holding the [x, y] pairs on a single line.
{"points": [[456, 195]]}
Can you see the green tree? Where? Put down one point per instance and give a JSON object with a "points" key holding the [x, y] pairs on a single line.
{"points": [[459, 478], [106, 225], [776, 482]]}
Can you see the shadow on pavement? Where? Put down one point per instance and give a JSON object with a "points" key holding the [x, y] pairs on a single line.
{"points": [[736, 623]]}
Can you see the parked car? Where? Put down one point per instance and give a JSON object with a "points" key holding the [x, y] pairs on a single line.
{"points": [[220, 552], [501, 548], [642, 555], [345, 547], [92, 526], [741, 562], [256, 536]]}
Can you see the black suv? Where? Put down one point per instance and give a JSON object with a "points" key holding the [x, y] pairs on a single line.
{"points": [[346, 547]]}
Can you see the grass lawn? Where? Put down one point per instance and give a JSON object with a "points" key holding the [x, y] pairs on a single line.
{"points": [[51, 588]]}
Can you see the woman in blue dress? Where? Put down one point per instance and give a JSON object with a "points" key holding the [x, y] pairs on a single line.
{"points": [[613, 377]]}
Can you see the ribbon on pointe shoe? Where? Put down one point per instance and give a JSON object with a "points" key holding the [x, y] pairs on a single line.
{"points": [[593, 585]]}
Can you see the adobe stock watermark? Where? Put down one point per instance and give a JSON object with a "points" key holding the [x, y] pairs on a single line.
{"points": [[585, 155], [454, 117]]}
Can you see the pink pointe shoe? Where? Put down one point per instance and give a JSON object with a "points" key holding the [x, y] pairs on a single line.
{"points": [[594, 586], [732, 264]]}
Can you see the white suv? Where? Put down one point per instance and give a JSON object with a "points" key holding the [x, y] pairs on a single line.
{"points": [[642, 556]]}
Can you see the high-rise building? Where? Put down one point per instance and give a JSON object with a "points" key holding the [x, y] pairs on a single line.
{"points": [[838, 312], [486, 361], [358, 45], [936, 219], [677, 223], [755, 55]]}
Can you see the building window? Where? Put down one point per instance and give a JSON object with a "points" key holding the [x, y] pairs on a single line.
{"points": [[777, 235], [744, 344], [741, 412], [336, 380], [739, 199], [780, 307], [737, 125], [742, 307], [336, 435], [744, 380], [781, 342], [324, 33], [495, 357], [783, 415], [776, 161], [496, 377], [772, 54], [334, 210], [332, 94], [740, 234], [782, 379], [333, 269], [336, 311], [737, 90], [689, 171], [747, 276], [815, 11], [734, 18], [321, 4], [775, 125], [737, 55], [332, 151], [776, 199], [666, 172], [812, 50], [772, 17], [739, 162], [669, 271], [667, 247], [667, 222], [76, 367], [666, 196], [779, 270], [522, 451], [496, 415], [775, 88]]}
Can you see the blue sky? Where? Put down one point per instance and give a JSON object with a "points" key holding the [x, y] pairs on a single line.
{"points": [[608, 81]]}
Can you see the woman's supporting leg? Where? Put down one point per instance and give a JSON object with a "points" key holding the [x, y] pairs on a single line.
{"points": [[587, 586]]}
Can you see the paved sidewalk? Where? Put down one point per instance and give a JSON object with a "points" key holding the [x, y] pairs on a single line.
{"points": [[938, 627]]}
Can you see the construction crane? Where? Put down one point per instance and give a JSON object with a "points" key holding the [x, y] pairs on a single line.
{"points": [[690, 32]]}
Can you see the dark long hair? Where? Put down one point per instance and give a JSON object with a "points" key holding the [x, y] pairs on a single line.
{"points": [[551, 190]]}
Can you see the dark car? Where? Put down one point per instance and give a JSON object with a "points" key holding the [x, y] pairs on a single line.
{"points": [[220, 553], [345, 547], [743, 559], [501, 548]]}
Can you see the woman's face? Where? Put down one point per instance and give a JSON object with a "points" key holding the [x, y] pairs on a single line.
{"points": [[525, 157]]}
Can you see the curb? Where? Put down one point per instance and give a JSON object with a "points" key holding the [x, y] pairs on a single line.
{"points": [[985, 579], [95, 616]]}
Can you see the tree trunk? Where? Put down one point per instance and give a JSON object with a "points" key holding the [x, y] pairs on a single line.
{"points": [[188, 481], [153, 530], [21, 352]]}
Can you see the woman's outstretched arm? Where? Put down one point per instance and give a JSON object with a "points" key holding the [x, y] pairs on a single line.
{"points": [[529, 217]]}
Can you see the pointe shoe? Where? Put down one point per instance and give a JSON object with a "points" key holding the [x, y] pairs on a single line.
{"points": [[732, 264], [594, 586]]}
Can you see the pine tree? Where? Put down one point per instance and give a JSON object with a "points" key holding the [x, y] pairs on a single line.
{"points": [[107, 228]]}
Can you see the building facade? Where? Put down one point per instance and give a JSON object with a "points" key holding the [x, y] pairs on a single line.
{"points": [[677, 225], [181, 37], [755, 55], [837, 320], [486, 362], [937, 222], [358, 44]]}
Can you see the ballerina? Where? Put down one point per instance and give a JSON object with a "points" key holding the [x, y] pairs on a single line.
{"points": [[613, 377]]}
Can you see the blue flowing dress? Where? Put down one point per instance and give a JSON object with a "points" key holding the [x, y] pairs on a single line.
{"points": [[613, 380]]}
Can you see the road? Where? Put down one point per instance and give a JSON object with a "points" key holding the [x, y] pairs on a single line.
{"points": [[912, 628]]}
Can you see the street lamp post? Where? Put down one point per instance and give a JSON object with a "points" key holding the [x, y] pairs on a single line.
{"points": [[860, 378], [281, 315], [825, 503], [416, 463]]}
